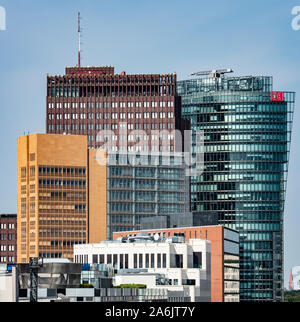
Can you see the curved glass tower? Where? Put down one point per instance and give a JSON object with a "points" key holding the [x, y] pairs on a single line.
{"points": [[247, 128]]}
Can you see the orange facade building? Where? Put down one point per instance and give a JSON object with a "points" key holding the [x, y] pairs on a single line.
{"points": [[224, 256], [61, 196]]}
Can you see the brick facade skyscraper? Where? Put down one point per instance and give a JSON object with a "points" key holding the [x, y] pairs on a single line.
{"points": [[87, 100]]}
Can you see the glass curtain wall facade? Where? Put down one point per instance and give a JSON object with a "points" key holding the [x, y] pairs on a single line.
{"points": [[156, 187], [247, 130]]}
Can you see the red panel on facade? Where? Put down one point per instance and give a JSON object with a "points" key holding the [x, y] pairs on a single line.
{"points": [[277, 96]]}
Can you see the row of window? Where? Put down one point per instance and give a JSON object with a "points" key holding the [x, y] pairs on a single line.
{"points": [[257, 196], [239, 108], [108, 126], [242, 127], [249, 147], [107, 116], [7, 237], [237, 186], [243, 176], [242, 156], [8, 226], [7, 259], [61, 243], [232, 118], [59, 170], [62, 183], [146, 196], [245, 137], [73, 105], [10, 248]]}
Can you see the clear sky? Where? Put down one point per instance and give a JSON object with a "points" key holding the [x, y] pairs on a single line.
{"points": [[253, 37]]}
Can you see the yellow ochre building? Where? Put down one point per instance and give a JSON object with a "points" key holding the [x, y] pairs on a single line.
{"points": [[61, 196]]}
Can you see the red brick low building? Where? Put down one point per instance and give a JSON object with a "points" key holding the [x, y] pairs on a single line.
{"points": [[8, 238]]}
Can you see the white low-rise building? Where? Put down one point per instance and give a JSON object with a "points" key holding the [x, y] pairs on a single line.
{"points": [[171, 263]]}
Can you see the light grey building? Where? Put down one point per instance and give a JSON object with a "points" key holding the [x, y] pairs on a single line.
{"points": [[184, 267], [155, 187]]}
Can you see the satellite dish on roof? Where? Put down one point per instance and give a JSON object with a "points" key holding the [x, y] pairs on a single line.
{"points": [[156, 237]]}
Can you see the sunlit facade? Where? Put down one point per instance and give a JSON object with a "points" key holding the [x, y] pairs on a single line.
{"points": [[247, 128]]}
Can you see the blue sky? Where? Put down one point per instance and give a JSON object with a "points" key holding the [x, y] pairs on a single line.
{"points": [[143, 36]]}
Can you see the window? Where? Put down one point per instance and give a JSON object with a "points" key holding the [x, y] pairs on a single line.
{"points": [[189, 282], [115, 261], [134, 260], [121, 261], [178, 261], [147, 261], [101, 259], [152, 260], [164, 264], [95, 259], [140, 260], [197, 259], [158, 260]]}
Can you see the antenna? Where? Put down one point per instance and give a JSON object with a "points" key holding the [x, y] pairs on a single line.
{"points": [[213, 73], [79, 38]]}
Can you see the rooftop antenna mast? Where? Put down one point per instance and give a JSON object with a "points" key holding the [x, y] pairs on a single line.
{"points": [[79, 39], [216, 73]]}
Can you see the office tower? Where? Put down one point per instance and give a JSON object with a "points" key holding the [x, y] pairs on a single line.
{"points": [[8, 238], [87, 100], [155, 189], [52, 192], [66, 196], [247, 128], [224, 255]]}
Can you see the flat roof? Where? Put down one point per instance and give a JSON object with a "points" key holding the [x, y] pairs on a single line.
{"points": [[173, 228]]}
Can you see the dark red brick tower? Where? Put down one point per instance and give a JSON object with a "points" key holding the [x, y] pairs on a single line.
{"points": [[87, 100]]}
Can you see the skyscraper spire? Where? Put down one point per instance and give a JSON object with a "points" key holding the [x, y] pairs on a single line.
{"points": [[291, 283]]}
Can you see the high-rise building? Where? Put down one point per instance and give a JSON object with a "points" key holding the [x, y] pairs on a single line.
{"points": [[153, 190], [87, 100], [8, 238], [66, 196], [53, 196], [247, 129]]}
